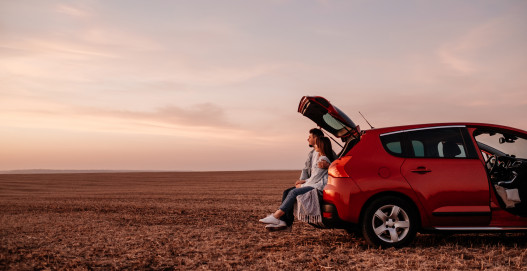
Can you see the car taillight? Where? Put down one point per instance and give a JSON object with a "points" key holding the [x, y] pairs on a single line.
{"points": [[327, 215], [337, 170]]}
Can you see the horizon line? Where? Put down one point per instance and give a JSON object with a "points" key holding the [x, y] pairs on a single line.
{"points": [[66, 171]]}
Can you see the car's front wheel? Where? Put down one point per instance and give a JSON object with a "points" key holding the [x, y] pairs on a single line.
{"points": [[389, 222]]}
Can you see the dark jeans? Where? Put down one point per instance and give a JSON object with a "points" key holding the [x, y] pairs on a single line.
{"points": [[288, 201]]}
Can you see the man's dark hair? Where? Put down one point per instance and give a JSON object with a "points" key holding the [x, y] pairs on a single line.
{"points": [[316, 132]]}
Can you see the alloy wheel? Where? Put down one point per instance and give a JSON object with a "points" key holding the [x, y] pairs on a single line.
{"points": [[391, 223]]}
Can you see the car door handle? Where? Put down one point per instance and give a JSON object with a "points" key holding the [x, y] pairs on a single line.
{"points": [[421, 170]]}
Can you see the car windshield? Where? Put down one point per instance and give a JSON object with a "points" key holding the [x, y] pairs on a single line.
{"points": [[506, 143]]}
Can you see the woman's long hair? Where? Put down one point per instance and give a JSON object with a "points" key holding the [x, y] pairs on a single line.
{"points": [[324, 144]]}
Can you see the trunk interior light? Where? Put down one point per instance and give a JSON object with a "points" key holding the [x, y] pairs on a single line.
{"points": [[337, 170]]}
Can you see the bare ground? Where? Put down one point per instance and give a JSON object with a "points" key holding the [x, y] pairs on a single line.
{"points": [[202, 221]]}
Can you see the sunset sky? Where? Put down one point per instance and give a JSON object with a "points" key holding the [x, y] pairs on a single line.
{"points": [[214, 85]]}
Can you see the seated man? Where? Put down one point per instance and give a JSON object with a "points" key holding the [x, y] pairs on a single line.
{"points": [[288, 217]]}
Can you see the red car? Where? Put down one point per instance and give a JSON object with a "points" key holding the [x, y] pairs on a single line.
{"points": [[390, 183]]}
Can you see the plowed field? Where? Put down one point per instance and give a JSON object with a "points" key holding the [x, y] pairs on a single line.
{"points": [[202, 221]]}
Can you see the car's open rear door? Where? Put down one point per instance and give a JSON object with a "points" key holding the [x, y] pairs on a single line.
{"points": [[328, 117]]}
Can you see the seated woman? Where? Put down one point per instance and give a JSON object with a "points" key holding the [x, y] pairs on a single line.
{"points": [[318, 180]]}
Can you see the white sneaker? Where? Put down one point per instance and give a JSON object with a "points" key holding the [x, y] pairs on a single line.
{"points": [[278, 227], [270, 219]]}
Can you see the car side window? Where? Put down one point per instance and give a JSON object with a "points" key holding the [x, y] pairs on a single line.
{"points": [[419, 148], [392, 143], [441, 150], [395, 147], [438, 143]]}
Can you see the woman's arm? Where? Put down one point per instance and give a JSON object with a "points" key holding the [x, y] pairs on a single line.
{"points": [[317, 176]]}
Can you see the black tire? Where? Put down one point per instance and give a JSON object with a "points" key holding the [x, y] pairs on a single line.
{"points": [[389, 222]]}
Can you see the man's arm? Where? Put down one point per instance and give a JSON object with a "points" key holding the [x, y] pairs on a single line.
{"points": [[306, 171], [299, 183], [325, 164]]}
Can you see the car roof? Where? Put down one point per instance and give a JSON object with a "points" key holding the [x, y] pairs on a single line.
{"points": [[445, 125]]}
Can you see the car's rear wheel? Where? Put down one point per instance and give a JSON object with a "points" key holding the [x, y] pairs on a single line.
{"points": [[389, 222]]}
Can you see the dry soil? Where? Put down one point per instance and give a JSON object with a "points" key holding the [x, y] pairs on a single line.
{"points": [[202, 221]]}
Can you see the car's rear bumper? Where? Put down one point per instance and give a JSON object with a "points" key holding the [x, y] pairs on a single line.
{"points": [[331, 219]]}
